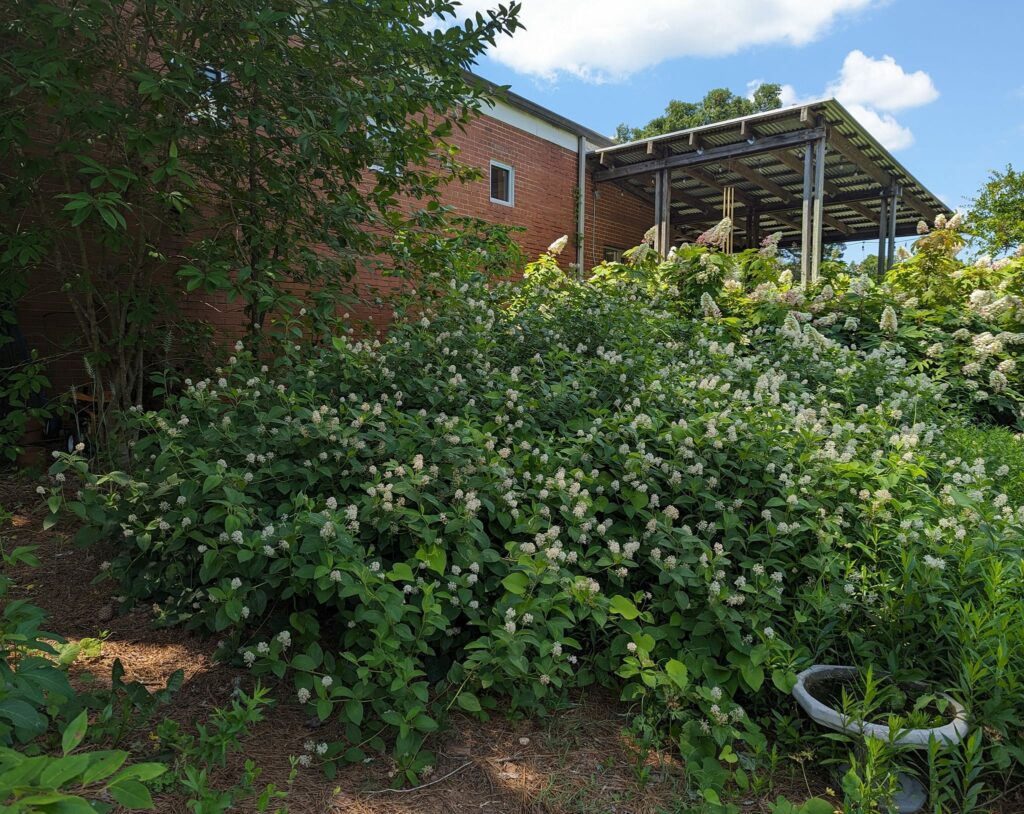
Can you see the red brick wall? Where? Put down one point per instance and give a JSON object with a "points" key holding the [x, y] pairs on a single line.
{"points": [[616, 219], [545, 183], [545, 194]]}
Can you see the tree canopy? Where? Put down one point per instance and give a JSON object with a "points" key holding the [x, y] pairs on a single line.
{"points": [[996, 219], [716, 106], [252, 149]]}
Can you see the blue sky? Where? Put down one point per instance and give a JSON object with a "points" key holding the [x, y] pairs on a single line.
{"points": [[940, 83]]}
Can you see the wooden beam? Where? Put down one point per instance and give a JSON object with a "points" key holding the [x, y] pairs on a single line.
{"points": [[773, 210], [831, 190], [712, 155], [760, 180], [849, 199], [908, 230], [856, 155], [693, 202], [746, 200], [756, 178]]}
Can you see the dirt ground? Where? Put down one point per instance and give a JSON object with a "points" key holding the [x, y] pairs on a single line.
{"points": [[578, 760]]}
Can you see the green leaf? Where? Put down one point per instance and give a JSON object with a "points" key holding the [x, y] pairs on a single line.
{"points": [[753, 675], [74, 732], [22, 715], [711, 796], [139, 771], [69, 805], [817, 805], [516, 583], [677, 672], [624, 607], [401, 572], [354, 711], [469, 702], [102, 764], [784, 680], [131, 794], [62, 770], [436, 559], [639, 500]]}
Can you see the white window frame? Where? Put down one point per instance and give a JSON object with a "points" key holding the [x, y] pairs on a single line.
{"points": [[511, 183]]}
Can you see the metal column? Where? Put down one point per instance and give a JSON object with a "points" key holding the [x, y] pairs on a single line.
{"points": [[581, 205], [883, 227], [657, 210], [894, 205], [818, 248], [805, 222], [664, 192]]}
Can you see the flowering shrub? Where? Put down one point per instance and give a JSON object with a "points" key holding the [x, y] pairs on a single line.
{"points": [[529, 488], [962, 324]]}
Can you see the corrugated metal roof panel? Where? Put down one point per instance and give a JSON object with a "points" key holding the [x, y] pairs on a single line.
{"points": [[843, 176]]}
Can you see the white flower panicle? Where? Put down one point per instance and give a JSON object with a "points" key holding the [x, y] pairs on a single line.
{"points": [[558, 246], [888, 323]]}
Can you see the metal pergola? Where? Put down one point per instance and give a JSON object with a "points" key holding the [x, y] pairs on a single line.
{"points": [[811, 172]]}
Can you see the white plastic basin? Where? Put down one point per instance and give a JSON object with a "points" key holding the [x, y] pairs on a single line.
{"points": [[950, 734]]}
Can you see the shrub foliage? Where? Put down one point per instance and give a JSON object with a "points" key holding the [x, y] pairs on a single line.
{"points": [[684, 478]]}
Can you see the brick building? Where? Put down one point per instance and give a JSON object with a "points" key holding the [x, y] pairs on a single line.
{"points": [[810, 172], [534, 165]]}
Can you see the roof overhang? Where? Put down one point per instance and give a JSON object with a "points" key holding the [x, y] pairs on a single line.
{"points": [[761, 157]]}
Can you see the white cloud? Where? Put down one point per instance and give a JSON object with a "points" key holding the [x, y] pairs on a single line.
{"points": [[883, 126], [789, 96], [872, 89], [881, 84], [607, 40]]}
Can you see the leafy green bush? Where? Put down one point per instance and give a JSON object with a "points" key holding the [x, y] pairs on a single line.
{"points": [[22, 390], [525, 489], [961, 324], [74, 782], [1001, 449]]}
